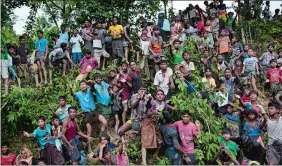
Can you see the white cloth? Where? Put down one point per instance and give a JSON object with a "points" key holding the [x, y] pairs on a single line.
{"points": [[76, 47], [274, 130], [97, 44], [4, 68], [10, 61], [222, 98], [145, 47], [163, 82], [188, 67]]}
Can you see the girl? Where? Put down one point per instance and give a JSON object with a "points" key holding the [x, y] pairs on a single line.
{"points": [[25, 156], [116, 104], [121, 156]]}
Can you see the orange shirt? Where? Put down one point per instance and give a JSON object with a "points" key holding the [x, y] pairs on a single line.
{"points": [[223, 44]]}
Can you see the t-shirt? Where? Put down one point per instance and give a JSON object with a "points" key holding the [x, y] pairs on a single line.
{"points": [[102, 93], [177, 55], [186, 134], [163, 82], [114, 29], [188, 67], [250, 64], [208, 83], [64, 37], [156, 44], [126, 89], [41, 44], [273, 75], [63, 115], [223, 43], [86, 100], [76, 47], [222, 98], [252, 130], [10, 160], [145, 47], [231, 146], [43, 136], [10, 61], [88, 62], [166, 25], [236, 50]]}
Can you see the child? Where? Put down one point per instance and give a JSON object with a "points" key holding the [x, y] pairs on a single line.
{"points": [[177, 52], [57, 133], [173, 30], [4, 66], [11, 61], [222, 65], [244, 54], [206, 61], [105, 151], [116, 104], [209, 40], [253, 126], [273, 76], [76, 42], [88, 64], [208, 27], [237, 50], [187, 64], [238, 71], [223, 45], [144, 44], [208, 81], [250, 69], [62, 111], [222, 98], [97, 46], [121, 156]]}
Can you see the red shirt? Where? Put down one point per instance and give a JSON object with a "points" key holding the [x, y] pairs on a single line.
{"points": [[8, 160], [274, 75], [245, 99]]}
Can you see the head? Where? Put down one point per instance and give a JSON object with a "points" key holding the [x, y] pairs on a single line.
{"points": [[133, 65], [63, 28], [246, 92], [5, 148], [208, 22], [98, 78], [144, 37], [251, 53], [246, 48], [227, 73], [163, 65], [156, 30], [55, 121], [252, 115], [39, 34], [273, 109], [206, 3], [64, 46], [273, 63], [270, 48], [238, 62], [124, 66], [115, 88], [87, 23], [220, 58], [280, 52], [104, 139], [277, 11], [279, 63], [188, 24], [226, 133], [83, 85], [54, 37], [222, 86], [230, 14], [173, 22], [41, 121], [160, 95], [176, 44], [22, 40], [222, 33], [142, 90], [122, 148], [213, 16], [23, 163], [112, 73], [88, 54], [186, 116], [72, 112], [168, 117], [11, 49], [267, 3], [115, 21], [74, 32], [62, 101], [253, 95], [208, 72], [206, 34], [99, 25], [235, 39], [230, 109], [40, 161], [206, 53]]}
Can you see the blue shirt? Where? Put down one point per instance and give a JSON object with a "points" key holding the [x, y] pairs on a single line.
{"points": [[252, 131], [43, 136], [86, 100], [232, 117], [63, 115], [102, 93], [192, 31], [41, 44], [64, 37]]}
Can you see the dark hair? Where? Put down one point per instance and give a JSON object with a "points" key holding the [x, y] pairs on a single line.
{"points": [[227, 69], [96, 75], [113, 70], [252, 112], [270, 45], [23, 163], [208, 69], [63, 25], [21, 37], [123, 63], [163, 61], [205, 50], [221, 83], [237, 37], [54, 35], [9, 45], [132, 61], [273, 60], [53, 118], [159, 90], [168, 118], [40, 160], [184, 112], [274, 104], [253, 92], [63, 45], [41, 118], [40, 31], [71, 108], [106, 136], [277, 10], [185, 53], [62, 97], [5, 144], [88, 52], [82, 81]]}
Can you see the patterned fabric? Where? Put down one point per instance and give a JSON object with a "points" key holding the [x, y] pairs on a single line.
{"points": [[150, 134], [141, 108]]}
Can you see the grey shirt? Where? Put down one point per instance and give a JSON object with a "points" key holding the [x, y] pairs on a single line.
{"points": [[274, 130]]}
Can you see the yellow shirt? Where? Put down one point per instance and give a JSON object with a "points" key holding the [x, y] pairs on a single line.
{"points": [[115, 31]]}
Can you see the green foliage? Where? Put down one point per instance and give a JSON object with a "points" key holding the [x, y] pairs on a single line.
{"points": [[134, 151], [164, 161]]}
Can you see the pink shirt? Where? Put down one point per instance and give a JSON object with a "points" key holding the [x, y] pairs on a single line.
{"points": [[122, 160], [186, 133], [88, 62]]}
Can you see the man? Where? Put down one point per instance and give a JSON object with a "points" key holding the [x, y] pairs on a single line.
{"points": [[127, 42], [70, 135], [177, 52], [41, 46], [76, 42], [49, 150], [7, 158], [64, 36], [23, 51], [87, 36], [163, 78], [116, 32], [265, 59], [228, 79]]}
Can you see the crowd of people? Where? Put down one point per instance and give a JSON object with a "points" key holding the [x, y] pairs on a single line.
{"points": [[227, 67]]}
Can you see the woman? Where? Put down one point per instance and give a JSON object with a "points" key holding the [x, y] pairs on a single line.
{"points": [[25, 156]]}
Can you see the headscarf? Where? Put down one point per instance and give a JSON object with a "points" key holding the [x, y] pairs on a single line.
{"points": [[28, 152]]}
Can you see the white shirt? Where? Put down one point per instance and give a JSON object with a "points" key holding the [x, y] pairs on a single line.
{"points": [[222, 98], [163, 82], [274, 130], [188, 67], [76, 48], [145, 47], [10, 60]]}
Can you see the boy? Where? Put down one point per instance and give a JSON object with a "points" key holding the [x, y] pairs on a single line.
{"points": [[221, 65], [116, 32], [222, 98], [223, 45], [237, 50], [4, 66], [62, 111], [97, 46], [41, 46], [228, 79], [7, 158], [177, 52], [187, 64], [251, 68], [49, 151], [253, 104], [273, 76], [187, 130], [76, 42], [13, 61], [23, 51], [88, 64], [57, 132], [105, 151], [264, 60]]}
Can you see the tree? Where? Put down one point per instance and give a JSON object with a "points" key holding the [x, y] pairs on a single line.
{"points": [[7, 7]]}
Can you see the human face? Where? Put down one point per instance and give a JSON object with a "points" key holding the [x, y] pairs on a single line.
{"points": [[163, 66], [143, 37], [83, 86], [88, 56], [98, 80], [63, 28], [99, 25], [272, 111], [251, 116], [23, 154], [186, 118], [74, 33], [142, 91], [186, 57], [222, 87], [124, 67], [227, 74], [41, 123], [206, 54], [253, 97], [246, 48], [222, 33], [86, 23], [226, 136], [208, 22], [133, 66], [270, 48], [156, 31], [160, 96], [56, 122], [234, 39], [39, 35], [11, 51], [238, 63], [115, 21], [112, 74], [229, 109], [177, 45], [208, 73], [72, 113], [280, 54], [22, 41], [213, 16], [104, 141], [206, 35], [246, 92], [62, 102], [115, 89], [123, 148], [220, 59], [273, 64], [250, 53], [4, 149]]}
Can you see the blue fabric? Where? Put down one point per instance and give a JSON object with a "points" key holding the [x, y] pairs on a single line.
{"points": [[166, 25], [245, 56], [232, 118], [64, 37], [248, 106], [40, 45], [41, 135], [63, 115], [191, 87], [253, 131], [174, 156], [76, 57], [192, 30], [13, 73], [110, 147], [102, 93], [86, 100]]}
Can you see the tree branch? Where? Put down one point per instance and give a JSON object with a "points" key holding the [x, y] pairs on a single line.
{"points": [[52, 14], [56, 5]]}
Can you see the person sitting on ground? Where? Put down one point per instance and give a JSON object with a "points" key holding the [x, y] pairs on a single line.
{"points": [[104, 152], [121, 156], [25, 156], [7, 158]]}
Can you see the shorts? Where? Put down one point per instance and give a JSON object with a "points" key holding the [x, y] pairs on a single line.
{"points": [[106, 111], [92, 117], [4, 69], [125, 43], [58, 61], [39, 56]]}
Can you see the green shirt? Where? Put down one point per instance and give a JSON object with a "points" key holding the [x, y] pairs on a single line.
{"points": [[231, 146], [177, 55], [4, 56]]}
